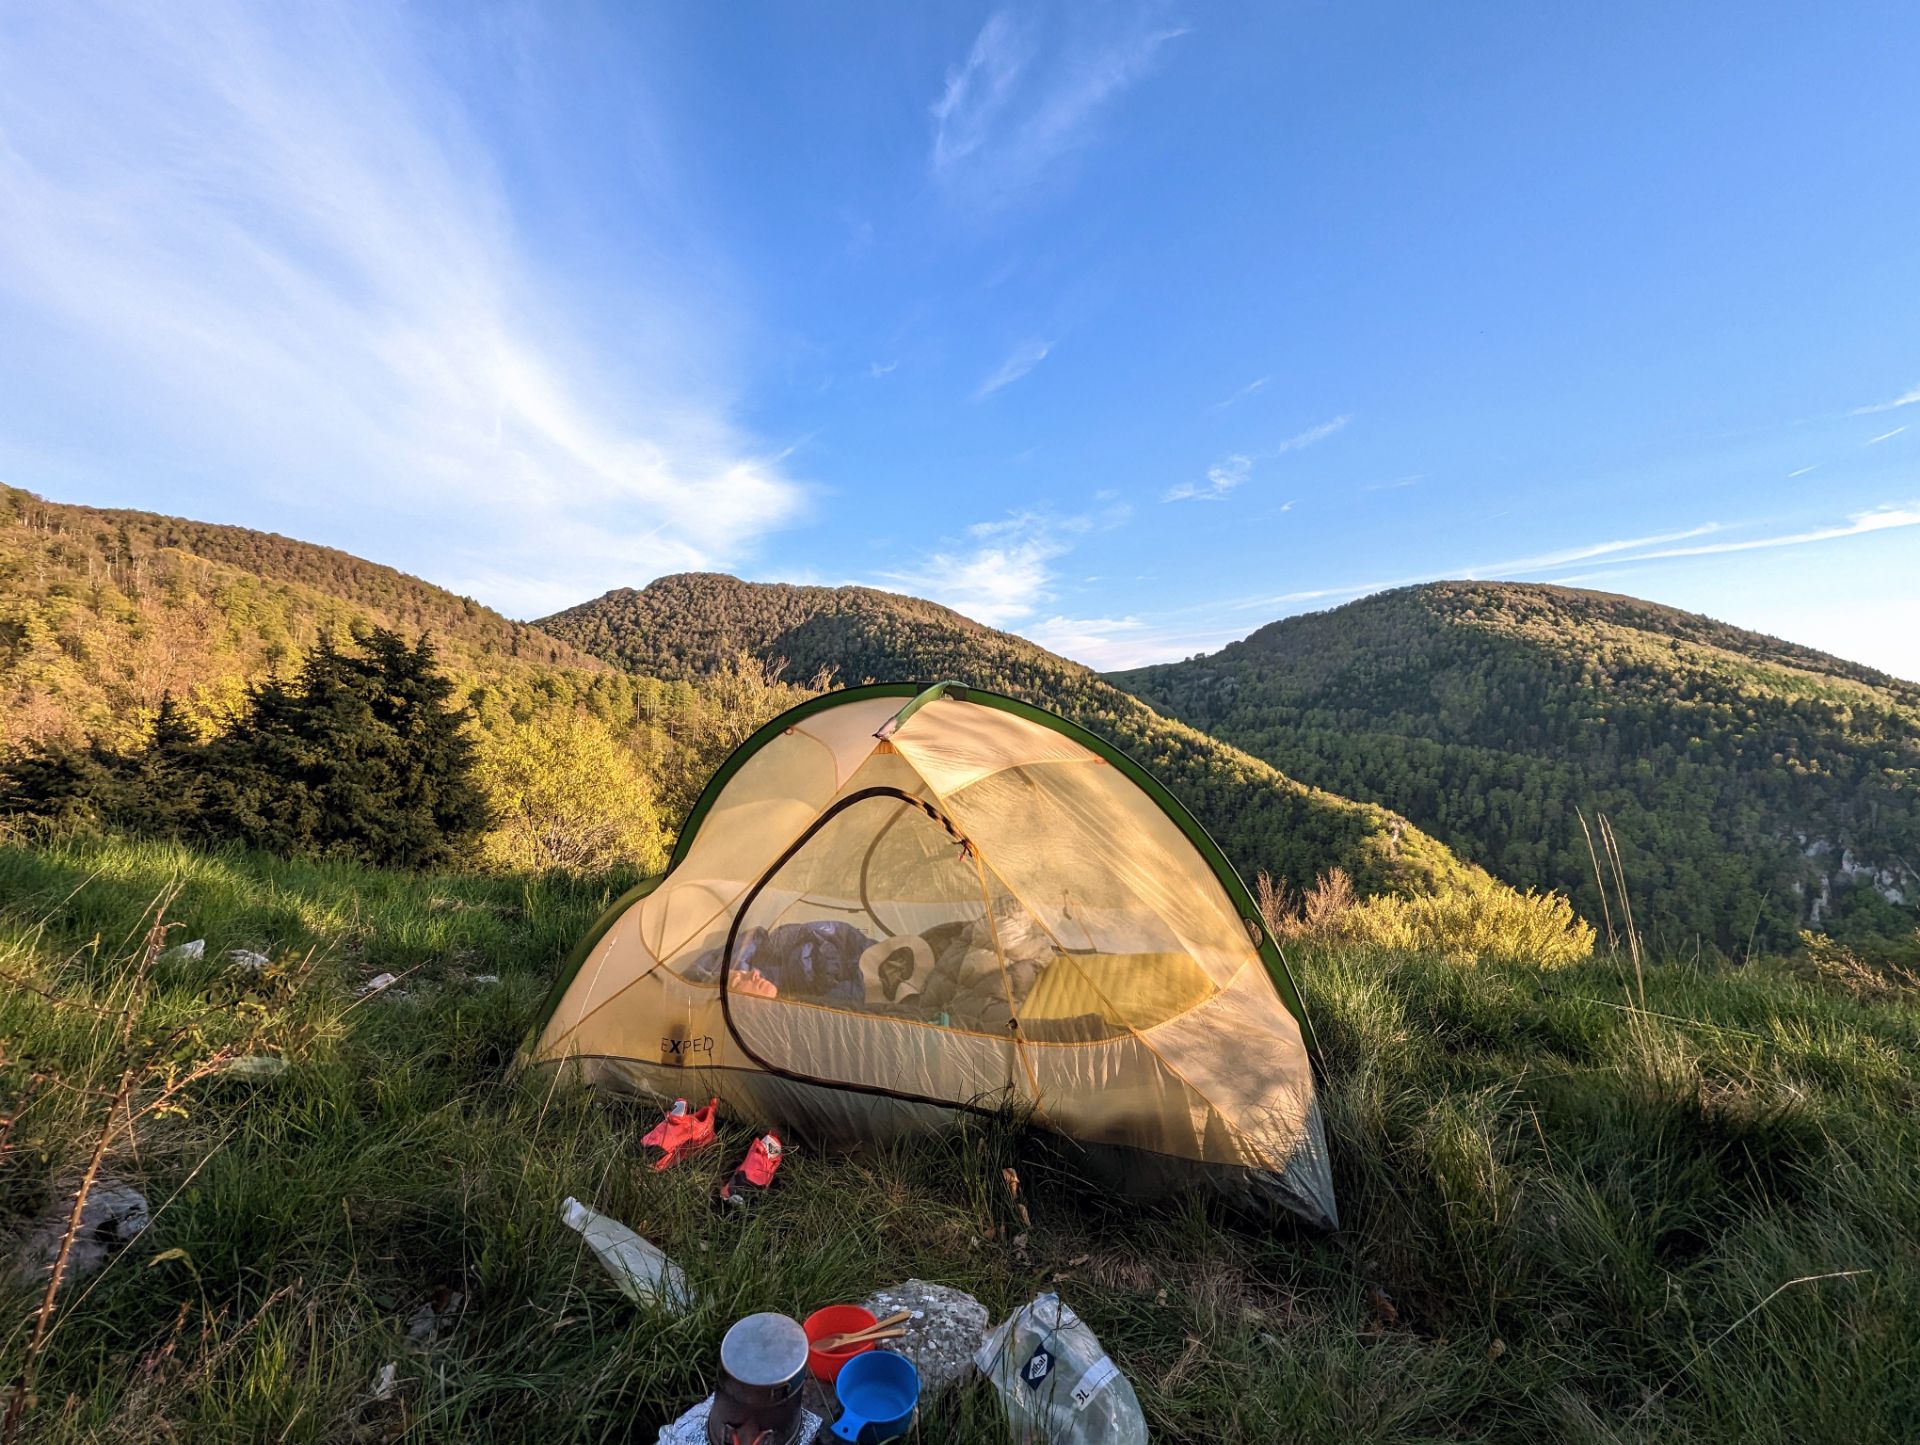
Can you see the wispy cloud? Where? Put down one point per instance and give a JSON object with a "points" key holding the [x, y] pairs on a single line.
{"points": [[1884, 436], [998, 576], [1241, 395], [1231, 472], [1311, 436], [876, 369], [1096, 641], [1393, 484], [1906, 398], [1581, 579], [1619, 553], [999, 573], [978, 91], [1002, 572], [280, 244], [1880, 519], [1584, 552], [1021, 360], [1017, 104], [1803, 471], [1110, 643], [1512, 567], [1222, 477]]}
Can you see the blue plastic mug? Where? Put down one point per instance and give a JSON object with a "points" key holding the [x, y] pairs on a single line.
{"points": [[878, 1392]]}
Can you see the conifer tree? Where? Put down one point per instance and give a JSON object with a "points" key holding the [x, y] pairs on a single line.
{"points": [[361, 756]]}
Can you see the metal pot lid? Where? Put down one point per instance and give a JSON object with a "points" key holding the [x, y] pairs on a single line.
{"points": [[765, 1350]]}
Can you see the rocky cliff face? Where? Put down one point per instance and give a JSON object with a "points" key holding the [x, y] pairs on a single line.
{"points": [[1835, 865]]}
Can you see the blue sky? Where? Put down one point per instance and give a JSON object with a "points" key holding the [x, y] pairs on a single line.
{"points": [[1126, 327]]}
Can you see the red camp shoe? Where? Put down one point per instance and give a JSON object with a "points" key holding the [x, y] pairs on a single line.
{"points": [[756, 1171], [681, 1133]]}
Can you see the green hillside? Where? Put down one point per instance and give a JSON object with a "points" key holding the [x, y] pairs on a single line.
{"points": [[685, 626], [105, 613], [1757, 787]]}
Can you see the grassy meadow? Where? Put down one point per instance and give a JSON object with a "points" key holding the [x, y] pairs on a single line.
{"points": [[1578, 1205]]}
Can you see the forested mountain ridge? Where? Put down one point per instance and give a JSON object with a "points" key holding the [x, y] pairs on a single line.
{"points": [[683, 626], [586, 759], [103, 612], [1757, 787]]}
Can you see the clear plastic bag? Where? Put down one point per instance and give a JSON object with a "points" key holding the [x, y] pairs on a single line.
{"points": [[1055, 1381]]}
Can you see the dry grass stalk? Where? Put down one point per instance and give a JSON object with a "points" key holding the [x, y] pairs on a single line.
{"points": [[116, 1124]]}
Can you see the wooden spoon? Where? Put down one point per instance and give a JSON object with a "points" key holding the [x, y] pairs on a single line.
{"points": [[847, 1342], [833, 1343]]}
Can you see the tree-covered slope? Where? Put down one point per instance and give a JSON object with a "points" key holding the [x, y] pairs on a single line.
{"points": [[1757, 787], [102, 613], [684, 626]]}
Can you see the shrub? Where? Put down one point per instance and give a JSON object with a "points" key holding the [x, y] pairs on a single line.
{"points": [[1866, 973], [566, 794], [1470, 920]]}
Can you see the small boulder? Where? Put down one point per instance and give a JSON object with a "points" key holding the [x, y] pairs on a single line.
{"points": [[434, 1317], [944, 1328], [255, 1066], [114, 1213], [387, 1381]]}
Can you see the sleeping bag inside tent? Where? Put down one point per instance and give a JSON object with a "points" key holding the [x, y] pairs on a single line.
{"points": [[892, 904]]}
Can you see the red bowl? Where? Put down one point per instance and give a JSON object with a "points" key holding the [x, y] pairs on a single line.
{"points": [[834, 1320]]}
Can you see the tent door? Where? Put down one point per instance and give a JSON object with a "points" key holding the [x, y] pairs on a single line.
{"points": [[868, 958]]}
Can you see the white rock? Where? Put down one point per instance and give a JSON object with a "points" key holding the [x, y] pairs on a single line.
{"points": [[945, 1328], [256, 1066], [430, 1319], [113, 1215], [185, 952]]}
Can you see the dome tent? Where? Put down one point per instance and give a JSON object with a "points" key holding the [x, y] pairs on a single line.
{"points": [[892, 904]]}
